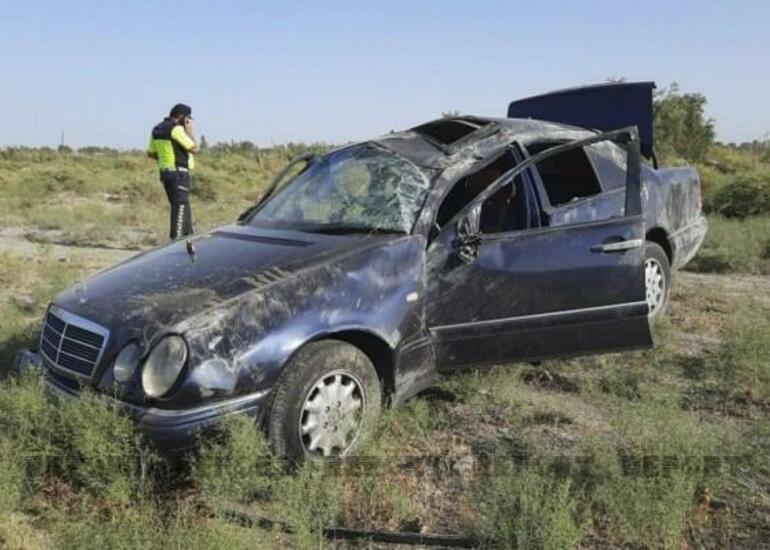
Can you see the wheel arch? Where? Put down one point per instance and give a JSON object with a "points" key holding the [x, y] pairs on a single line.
{"points": [[659, 236], [376, 349]]}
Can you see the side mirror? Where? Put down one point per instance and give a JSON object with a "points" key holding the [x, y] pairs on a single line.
{"points": [[468, 236]]}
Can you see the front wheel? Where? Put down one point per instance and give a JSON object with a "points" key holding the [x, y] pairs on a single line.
{"points": [[657, 280], [326, 401]]}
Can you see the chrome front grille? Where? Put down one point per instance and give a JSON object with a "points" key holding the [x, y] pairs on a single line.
{"points": [[70, 343]]}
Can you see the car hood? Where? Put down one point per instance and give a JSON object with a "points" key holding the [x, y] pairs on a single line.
{"points": [[169, 284]]}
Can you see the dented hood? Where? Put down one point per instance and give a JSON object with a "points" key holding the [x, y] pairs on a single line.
{"points": [[601, 107], [168, 285]]}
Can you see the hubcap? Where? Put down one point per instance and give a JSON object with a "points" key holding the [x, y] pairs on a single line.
{"points": [[655, 283], [331, 415]]}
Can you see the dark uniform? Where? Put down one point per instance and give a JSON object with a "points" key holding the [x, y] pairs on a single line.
{"points": [[172, 147]]}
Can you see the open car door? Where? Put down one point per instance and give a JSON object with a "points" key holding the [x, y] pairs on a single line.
{"points": [[540, 292]]}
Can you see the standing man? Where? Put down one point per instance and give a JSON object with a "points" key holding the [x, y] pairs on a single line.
{"points": [[172, 145]]}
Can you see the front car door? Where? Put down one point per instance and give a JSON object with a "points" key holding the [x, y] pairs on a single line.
{"points": [[524, 292]]}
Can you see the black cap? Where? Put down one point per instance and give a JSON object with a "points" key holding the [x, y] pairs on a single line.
{"points": [[180, 109]]}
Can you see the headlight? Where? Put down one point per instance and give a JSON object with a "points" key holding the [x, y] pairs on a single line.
{"points": [[163, 366], [126, 363]]}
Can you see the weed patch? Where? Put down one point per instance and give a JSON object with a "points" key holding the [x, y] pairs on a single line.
{"points": [[743, 360], [529, 509]]}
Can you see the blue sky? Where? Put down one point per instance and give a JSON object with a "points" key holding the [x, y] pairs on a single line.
{"points": [[270, 72]]}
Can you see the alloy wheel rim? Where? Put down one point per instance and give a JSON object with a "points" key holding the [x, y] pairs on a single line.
{"points": [[331, 415], [655, 285]]}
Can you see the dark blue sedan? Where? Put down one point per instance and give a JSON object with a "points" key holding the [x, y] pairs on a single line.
{"points": [[365, 274]]}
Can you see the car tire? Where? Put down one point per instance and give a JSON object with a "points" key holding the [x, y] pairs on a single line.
{"points": [[325, 403], [657, 280]]}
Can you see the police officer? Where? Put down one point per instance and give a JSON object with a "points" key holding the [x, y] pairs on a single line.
{"points": [[172, 145]]}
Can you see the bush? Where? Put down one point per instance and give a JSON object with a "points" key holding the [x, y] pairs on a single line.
{"points": [[151, 525], [100, 449], [28, 425], [743, 360], [711, 180], [649, 512], [307, 501], [11, 479], [680, 125], [527, 509], [746, 195], [729, 160], [84, 442], [237, 466], [734, 245]]}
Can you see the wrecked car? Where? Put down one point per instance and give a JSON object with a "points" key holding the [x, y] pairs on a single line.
{"points": [[363, 275]]}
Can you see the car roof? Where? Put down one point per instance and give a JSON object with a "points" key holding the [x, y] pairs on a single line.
{"points": [[438, 143]]}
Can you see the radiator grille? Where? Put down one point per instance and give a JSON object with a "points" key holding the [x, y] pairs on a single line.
{"points": [[72, 343]]}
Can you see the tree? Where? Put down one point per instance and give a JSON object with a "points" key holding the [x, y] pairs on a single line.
{"points": [[681, 128], [204, 145]]}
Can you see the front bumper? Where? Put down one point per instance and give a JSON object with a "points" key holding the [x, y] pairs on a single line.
{"points": [[168, 430]]}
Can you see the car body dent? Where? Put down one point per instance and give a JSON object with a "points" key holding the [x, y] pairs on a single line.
{"points": [[239, 336]]}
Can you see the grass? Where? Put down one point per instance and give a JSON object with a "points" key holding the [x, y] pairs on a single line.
{"points": [[735, 246], [599, 451], [528, 509], [115, 199], [743, 360]]}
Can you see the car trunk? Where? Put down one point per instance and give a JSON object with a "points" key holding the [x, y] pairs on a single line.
{"points": [[601, 107]]}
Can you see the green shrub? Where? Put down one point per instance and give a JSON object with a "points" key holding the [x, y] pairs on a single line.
{"points": [[236, 466], [524, 508], [729, 160], [204, 186], [680, 124], [28, 424], [150, 525], [11, 478], [84, 442], [100, 449], [746, 195], [649, 512], [743, 359], [734, 245], [307, 502], [711, 181]]}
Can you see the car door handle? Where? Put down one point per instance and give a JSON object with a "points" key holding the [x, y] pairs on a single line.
{"points": [[618, 246]]}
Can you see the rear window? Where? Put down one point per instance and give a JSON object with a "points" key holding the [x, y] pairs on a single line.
{"points": [[567, 176], [449, 130]]}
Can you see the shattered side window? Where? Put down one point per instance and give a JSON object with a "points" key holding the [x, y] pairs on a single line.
{"points": [[358, 187], [609, 160]]}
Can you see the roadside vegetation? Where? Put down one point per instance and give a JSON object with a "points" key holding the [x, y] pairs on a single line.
{"points": [[665, 448]]}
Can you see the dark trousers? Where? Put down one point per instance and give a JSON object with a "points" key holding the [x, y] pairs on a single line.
{"points": [[177, 186]]}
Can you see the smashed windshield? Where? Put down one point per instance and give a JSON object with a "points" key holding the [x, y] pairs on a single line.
{"points": [[361, 187]]}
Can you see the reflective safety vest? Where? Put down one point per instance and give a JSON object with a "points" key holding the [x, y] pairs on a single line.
{"points": [[172, 146]]}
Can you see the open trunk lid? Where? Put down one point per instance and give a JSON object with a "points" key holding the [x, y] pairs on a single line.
{"points": [[602, 107]]}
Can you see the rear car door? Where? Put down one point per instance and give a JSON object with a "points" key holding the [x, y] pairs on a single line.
{"points": [[516, 292]]}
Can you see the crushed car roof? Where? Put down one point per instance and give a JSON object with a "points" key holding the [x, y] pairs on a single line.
{"points": [[438, 143]]}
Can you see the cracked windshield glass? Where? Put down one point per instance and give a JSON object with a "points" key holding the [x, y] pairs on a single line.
{"points": [[358, 188]]}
